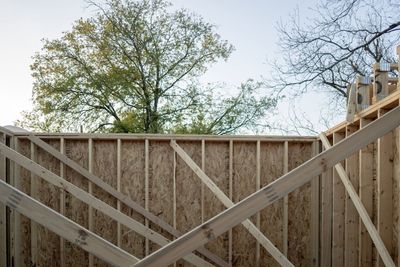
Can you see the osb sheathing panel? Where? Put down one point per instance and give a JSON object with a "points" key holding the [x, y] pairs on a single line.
{"points": [[105, 167], [188, 194], [188, 205], [48, 243], [244, 183], [75, 209], [25, 223], [132, 185], [217, 168], [271, 218], [161, 159], [299, 209]]}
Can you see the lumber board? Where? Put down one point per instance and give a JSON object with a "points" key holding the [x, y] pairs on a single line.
{"points": [[258, 186], [3, 233], [326, 217], [64, 227], [338, 219], [119, 230], [33, 193], [90, 191], [264, 241], [351, 190], [396, 196], [385, 190], [16, 221], [230, 233], [92, 201], [285, 201], [272, 192], [118, 195], [62, 203], [366, 176], [351, 216], [315, 210], [146, 190], [169, 137]]}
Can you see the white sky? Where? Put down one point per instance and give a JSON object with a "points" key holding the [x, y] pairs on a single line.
{"points": [[248, 25]]}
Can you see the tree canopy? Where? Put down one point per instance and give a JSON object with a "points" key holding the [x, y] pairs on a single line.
{"points": [[328, 50], [134, 67]]}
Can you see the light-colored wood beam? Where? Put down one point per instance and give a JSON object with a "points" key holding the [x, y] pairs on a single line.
{"points": [[380, 246], [326, 217], [119, 229], [338, 213], [285, 200], [258, 186], [272, 192], [146, 191], [64, 227], [62, 202], [92, 201], [385, 188], [315, 212], [90, 190], [366, 178], [351, 216], [34, 232], [253, 230], [230, 233], [3, 229], [118, 195]]}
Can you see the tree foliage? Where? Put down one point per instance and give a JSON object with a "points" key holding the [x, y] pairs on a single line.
{"points": [[133, 67], [328, 50]]}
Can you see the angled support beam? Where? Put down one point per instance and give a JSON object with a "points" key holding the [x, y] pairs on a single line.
{"points": [[92, 201], [119, 196], [64, 227], [253, 230], [369, 225], [272, 192]]}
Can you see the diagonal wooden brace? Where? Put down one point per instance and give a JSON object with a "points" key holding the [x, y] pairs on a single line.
{"points": [[120, 196], [369, 225], [272, 192], [253, 230]]}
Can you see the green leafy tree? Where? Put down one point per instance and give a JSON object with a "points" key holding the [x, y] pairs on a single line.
{"points": [[133, 67]]}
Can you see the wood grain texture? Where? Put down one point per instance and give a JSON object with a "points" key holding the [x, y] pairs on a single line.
{"points": [[24, 148], [48, 249], [188, 191], [217, 168], [105, 167], [338, 213], [299, 237], [132, 185], [366, 175], [351, 215], [75, 209], [271, 157], [396, 197], [244, 180], [161, 159]]}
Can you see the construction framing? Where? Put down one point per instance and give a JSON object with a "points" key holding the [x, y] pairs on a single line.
{"points": [[155, 200]]}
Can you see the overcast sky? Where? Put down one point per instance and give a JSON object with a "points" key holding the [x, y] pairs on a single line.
{"points": [[248, 25]]}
